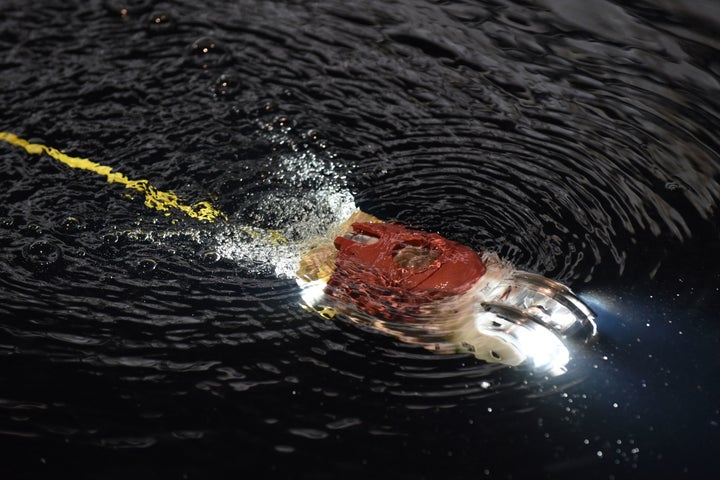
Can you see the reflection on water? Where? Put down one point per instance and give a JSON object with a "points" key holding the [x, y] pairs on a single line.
{"points": [[577, 142]]}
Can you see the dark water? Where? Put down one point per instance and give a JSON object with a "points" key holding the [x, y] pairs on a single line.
{"points": [[577, 139]]}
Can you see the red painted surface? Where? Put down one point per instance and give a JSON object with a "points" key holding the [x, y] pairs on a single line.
{"points": [[370, 275]]}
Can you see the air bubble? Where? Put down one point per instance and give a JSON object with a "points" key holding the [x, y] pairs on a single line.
{"points": [[207, 53], [42, 254], [227, 85], [261, 109], [146, 266], [211, 257], [281, 121], [314, 136], [160, 23], [125, 8], [110, 238], [33, 229], [267, 107], [72, 225]]}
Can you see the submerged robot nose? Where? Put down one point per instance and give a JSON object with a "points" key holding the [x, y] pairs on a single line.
{"points": [[549, 303]]}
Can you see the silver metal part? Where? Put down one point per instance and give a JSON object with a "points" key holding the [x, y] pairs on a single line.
{"points": [[547, 302]]}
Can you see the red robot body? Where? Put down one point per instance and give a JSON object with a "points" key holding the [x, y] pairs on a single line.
{"points": [[388, 270]]}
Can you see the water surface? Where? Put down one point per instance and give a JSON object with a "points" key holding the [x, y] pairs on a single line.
{"points": [[577, 140]]}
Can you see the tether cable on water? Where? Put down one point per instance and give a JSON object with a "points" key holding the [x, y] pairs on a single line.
{"points": [[163, 201]]}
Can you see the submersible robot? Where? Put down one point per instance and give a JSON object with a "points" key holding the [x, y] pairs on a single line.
{"points": [[426, 289]]}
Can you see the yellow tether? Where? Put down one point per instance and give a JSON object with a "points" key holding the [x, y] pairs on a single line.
{"points": [[154, 198]]}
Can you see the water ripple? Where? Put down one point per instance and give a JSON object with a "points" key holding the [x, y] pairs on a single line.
{"points": [[576, 142]]}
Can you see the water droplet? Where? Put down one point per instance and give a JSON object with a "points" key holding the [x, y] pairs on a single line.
{"points": [[72, 225], [207, 53], [210, 257], [7, 222], [226, 86], [160, 23], [124, 8], [145, 266], [110, 238], [41, 254], [315, 137], [33, 229]]}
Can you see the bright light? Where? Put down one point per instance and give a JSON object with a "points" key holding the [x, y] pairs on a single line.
{"points": [[508, 335]]}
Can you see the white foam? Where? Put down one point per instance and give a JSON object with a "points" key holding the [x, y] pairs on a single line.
{"points": [[312, 200]]}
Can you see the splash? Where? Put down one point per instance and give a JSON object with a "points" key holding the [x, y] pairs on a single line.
{"points": [[309, 198], [304, 219]]}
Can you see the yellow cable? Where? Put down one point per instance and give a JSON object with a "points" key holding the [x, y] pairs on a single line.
{"points": [[154, 198]]}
